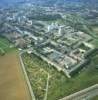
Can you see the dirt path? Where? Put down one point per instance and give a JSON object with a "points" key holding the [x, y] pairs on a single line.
{"points": [[12, 82]]}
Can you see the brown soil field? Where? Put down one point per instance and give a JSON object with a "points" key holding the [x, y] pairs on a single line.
{"points": [[12, 81]]}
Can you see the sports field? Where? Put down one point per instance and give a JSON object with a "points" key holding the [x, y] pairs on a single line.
{"points": [[12, 82]]}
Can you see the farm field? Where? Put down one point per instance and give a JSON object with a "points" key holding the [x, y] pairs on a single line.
{"points": [[59, 85], [12, 82]]}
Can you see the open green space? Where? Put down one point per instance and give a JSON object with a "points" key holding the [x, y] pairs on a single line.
{"points": [[59, 85], [5, 46], [95, 42], [84, 47], [37, 75], [95, 98], [95, 28]]}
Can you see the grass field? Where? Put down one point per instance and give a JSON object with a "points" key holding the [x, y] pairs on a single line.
{"points": [[6, 45], [59, 85], [37, 76], [12, 82], [95, 98], [95, 28]]}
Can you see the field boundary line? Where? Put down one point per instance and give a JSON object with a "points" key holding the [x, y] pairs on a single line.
{"points": [[26, 77]]}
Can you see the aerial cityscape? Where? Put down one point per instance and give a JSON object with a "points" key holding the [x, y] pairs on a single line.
{"points": [[49, 50]]}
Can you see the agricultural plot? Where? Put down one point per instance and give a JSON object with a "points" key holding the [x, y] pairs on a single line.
{"points": [[59, 85], [12, 82]]}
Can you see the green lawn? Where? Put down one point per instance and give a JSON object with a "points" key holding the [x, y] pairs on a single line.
{"points": [[95, 29], [84, 47], [37, 76], [95, 98], [6, 45], [95, 43], [59, 85]]}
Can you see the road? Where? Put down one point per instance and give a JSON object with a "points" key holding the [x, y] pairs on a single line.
{"points": [[45, 98], [85, 94]]}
